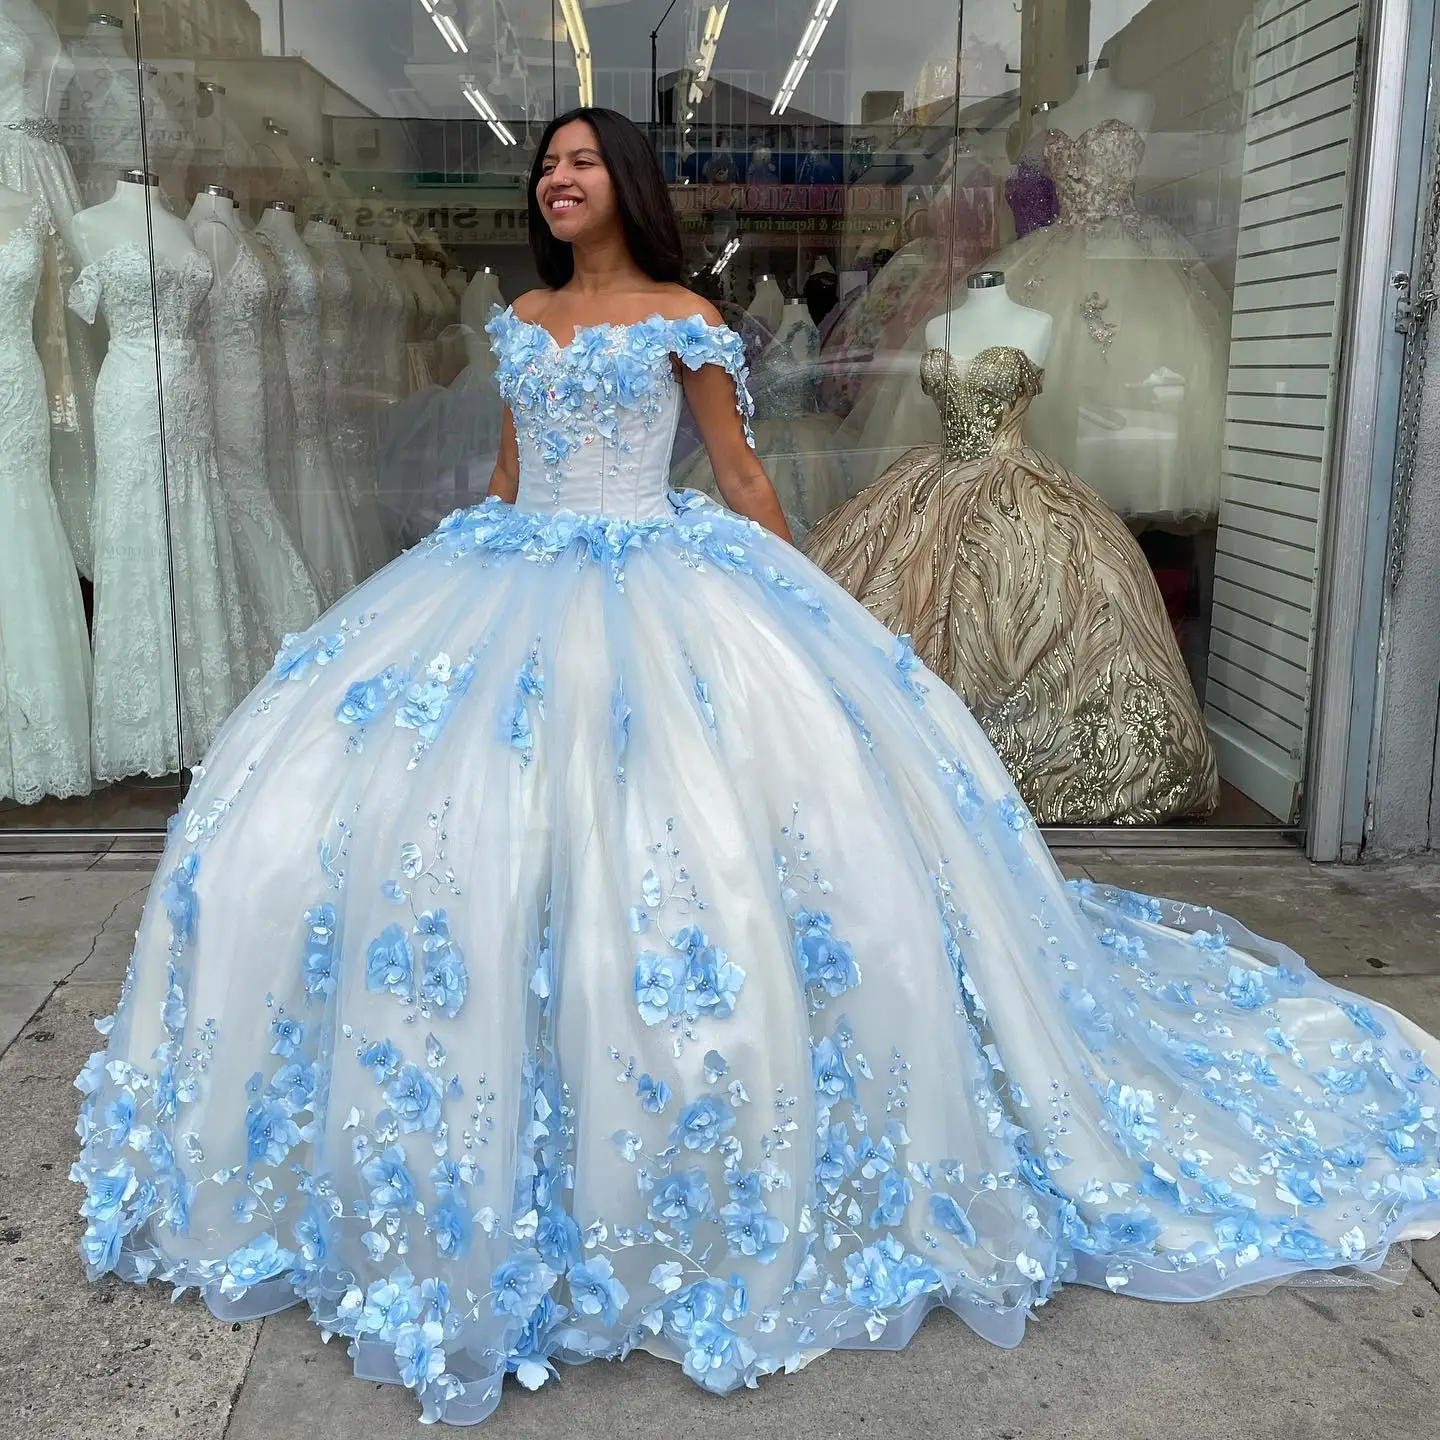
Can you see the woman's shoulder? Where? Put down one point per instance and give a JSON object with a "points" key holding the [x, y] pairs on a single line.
{"points": [[531, 305], [675, 302]]}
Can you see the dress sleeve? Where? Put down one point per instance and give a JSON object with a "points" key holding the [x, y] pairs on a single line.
{"points": [[697, 343], [85, 294]]}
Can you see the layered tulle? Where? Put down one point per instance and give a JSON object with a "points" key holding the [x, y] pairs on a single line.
{"points": [[599, 934]]}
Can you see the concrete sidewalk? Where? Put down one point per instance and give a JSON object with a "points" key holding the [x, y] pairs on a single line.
{"points": [[109, 1361]]}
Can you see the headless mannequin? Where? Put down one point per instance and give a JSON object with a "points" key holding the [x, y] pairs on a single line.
{"points": [[50, 70], [15, 209], [136, 214], [1098, 99], [273, 153], [277, 224], [480, 295], [990, 317], [768, 304], [456, 282], [214, 224], [105, 35], [320, 232]]}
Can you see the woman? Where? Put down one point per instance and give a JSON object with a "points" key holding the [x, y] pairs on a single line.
{"points": [[598, 932]]}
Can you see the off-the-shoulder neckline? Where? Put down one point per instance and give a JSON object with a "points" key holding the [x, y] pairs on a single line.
{"points": [[581, 331]]}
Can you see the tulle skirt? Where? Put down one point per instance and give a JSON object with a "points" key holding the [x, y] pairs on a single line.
{"points": [[595, 935]]}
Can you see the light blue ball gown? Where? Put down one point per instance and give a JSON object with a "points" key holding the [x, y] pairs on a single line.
{"points": [[598, 932]]}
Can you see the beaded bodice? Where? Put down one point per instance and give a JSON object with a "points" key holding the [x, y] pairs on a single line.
{"points": [[595, 419], [1094, 173], [982, 408]]}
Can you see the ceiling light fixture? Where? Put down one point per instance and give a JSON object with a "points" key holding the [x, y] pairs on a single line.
{"points": [[714, 24], [809, 43], [485, 110], [445, 24], [580, 44]]}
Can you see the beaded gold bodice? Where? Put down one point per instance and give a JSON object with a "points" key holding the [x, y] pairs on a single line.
{"points": [[982, 408]]}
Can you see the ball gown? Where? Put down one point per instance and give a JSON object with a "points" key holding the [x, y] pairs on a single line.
{"points": [[599, 932], [1026, 594]]}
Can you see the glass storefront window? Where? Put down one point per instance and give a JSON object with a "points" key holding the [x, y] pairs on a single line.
{"points": [[1042, 302]]}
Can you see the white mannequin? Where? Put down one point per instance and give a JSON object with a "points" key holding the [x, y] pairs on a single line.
{"points": [[481, 293], [1097, 99], [15, 208], [989, 317], [273, 152], [49, 70], [768, 303], [320, 232], [278, 225], [106, 34], [456, 282], [135, 214], [215, 225]]}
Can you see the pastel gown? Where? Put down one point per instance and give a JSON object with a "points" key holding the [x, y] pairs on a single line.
{"points": [[599, 932], [1028, 595]]}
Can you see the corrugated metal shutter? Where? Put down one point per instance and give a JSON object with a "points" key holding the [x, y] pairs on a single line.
{"points": [[1283, 369]]}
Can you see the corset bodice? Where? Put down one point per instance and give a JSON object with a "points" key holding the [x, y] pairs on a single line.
{"points": [[21, 257], [982, 408], [120, 283], [20, 89], [1094, 173], [787, 374], [1030, 193], [595, 419]]}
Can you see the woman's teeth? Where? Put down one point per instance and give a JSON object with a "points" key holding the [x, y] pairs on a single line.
{"points": [[565, 203]]}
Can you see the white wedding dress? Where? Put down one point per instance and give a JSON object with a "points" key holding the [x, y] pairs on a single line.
{"points": [[44, 650], [327, 527], [278, 594], [33, 162], [166, 592]]}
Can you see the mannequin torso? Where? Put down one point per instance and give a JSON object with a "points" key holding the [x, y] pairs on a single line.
{"points": [[1098, 99], [214, 223], [134, 215], [38, 71], [768, 303], [481, 295], [278, 227], [987, 318]]}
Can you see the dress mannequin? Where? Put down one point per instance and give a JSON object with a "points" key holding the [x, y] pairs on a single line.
{"points": [[276, 163], [1097, 99], [156, 474], [136, 214], [424, 320], [456, 281], [100, 114], [768, 303], [44, 649], [49, 70], [480, 297], [221, 148], [214, 223], [327, 527], [392, 339], [989, 317]]}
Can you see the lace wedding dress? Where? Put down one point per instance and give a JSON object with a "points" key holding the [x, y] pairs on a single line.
{"points": [[342, 350], [278, 595], [33, 162], [327, 525], [1022, 590], [809, 470], [1135, 379], [166, 590], [599, 932], [44, 650]]}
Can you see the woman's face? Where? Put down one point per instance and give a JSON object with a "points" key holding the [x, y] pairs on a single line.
{"points": [[575, 194]]}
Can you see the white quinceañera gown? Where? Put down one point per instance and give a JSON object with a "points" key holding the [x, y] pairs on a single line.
{"points": [[599, 932]]}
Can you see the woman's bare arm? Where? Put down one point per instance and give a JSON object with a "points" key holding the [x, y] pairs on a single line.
{"points": [[505, 478], [739, 475]]}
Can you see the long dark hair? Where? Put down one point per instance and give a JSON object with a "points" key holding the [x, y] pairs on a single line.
{"points": [[652, 233]]}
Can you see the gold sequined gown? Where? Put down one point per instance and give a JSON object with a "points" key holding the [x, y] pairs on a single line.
{"points": [[1028, 595]]}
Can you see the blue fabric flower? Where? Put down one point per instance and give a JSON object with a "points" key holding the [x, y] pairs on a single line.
{"points": [[947, 1214], [681, 1200], [827, 964], [1246, 989], [692, 1306], [444, 981], [557, 1237], [389, 1306], [717, 1358], [450, 1223], [383, 1059], [751, 1230], [595, 1290], [894, 1200], [654, 1094], [178, 898], [870, 1284], [263, 1259], [1132, 1230], [518, 1285], [270, 1133], [703, 1123], [420, 1353], [833, 1078], [390, 963], [392, 1188], [288, 1036], [319, 965], [659, 987], [365, 699], [836, 1160], [415, 1099], [106, 1191]]}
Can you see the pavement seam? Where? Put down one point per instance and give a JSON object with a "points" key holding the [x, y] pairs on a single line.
{"points": [[74, 969], [240, 1383]]}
